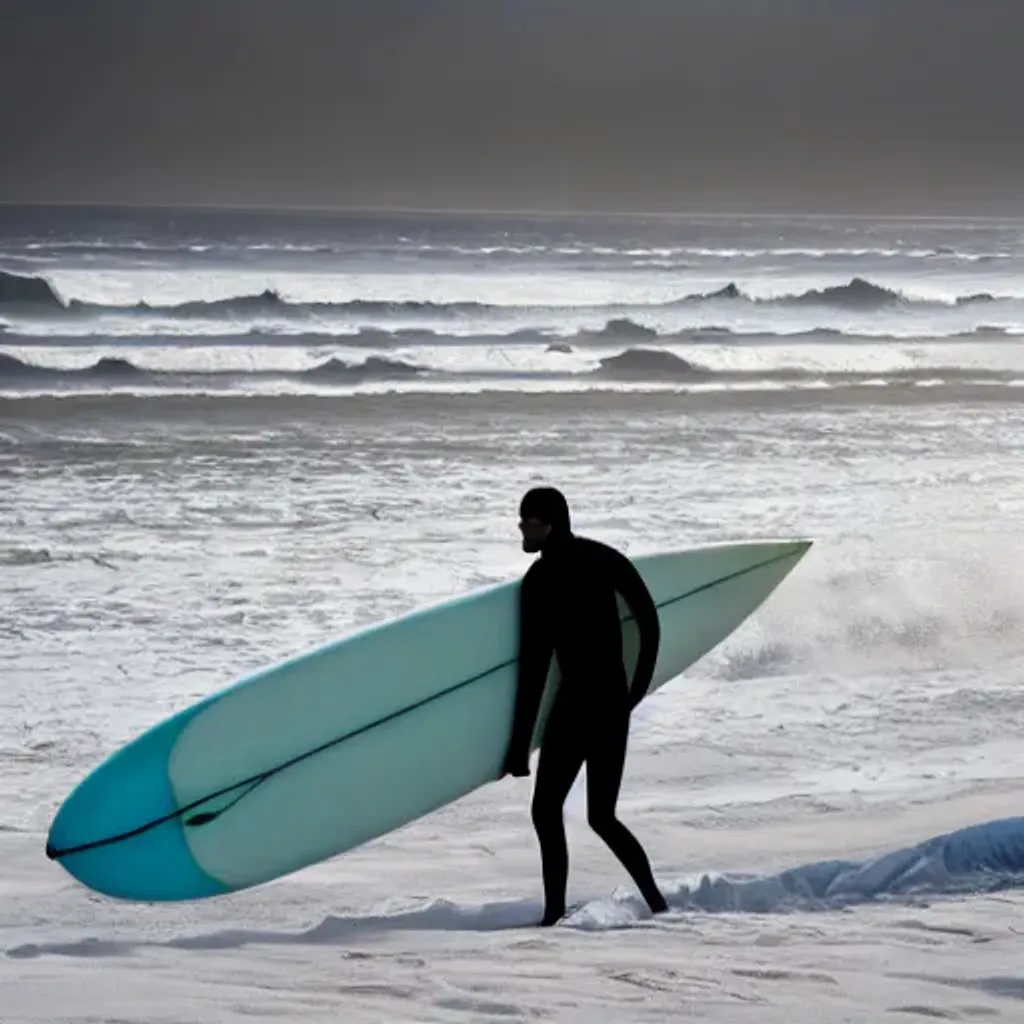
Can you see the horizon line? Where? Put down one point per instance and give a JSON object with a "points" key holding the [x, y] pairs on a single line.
{"points": [[510, 212]]}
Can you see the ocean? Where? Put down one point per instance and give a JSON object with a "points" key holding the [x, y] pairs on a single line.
{"points": [[229, 436]]}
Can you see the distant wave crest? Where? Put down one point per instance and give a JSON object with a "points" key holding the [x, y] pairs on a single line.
{"points": [[648, 364], [112, 370], [858, 293]]}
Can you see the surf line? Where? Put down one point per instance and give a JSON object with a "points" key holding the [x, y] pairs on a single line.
{"points": [[253, 782]]}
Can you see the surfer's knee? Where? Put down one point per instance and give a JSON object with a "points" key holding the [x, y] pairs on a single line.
{"points": [[603, 821], [546, 813]]}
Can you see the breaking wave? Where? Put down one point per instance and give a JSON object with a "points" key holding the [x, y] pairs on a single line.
{"points": [[615, 332], [980, 858], [28, 296], [632, 366]]}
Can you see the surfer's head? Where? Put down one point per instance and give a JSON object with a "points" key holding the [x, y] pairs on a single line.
{"points": [[543, 513]]}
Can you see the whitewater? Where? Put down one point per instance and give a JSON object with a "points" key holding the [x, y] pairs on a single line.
{"points": [[227, 437]]}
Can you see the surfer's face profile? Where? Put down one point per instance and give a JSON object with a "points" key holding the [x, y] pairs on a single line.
{"points": [[534, 534], [542, 511]]}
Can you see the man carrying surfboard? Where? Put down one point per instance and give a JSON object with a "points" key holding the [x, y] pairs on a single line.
{"points": [[568, 609]]}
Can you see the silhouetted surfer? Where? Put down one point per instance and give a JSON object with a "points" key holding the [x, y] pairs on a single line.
{"points": [[568, 608]]}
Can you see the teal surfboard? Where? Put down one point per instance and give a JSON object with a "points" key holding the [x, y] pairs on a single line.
{"points": [[325, 751]]}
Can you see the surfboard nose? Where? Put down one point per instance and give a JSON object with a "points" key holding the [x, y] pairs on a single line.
{"points": [[119, 831], [154, 865]]}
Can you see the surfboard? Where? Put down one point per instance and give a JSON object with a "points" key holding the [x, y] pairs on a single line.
{"points": [[325, 751]]}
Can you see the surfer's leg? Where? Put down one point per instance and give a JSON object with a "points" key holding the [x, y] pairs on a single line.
{"points": [[606, 757], [561, 758]]}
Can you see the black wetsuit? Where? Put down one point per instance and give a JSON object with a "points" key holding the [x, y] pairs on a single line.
{"points": [[568, 608]]}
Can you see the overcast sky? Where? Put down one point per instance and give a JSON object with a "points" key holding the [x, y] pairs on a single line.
{"points": [[887, 105]]}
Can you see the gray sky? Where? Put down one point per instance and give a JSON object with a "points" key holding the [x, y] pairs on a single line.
{"points": [[839, 105]]}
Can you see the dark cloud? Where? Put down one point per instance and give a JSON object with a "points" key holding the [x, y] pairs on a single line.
{"points": [[634, 104]]}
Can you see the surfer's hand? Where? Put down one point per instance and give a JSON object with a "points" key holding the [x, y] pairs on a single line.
{"points": [[637, 692], [517, 766]]}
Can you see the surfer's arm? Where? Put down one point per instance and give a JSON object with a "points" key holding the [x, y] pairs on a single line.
{"points": [[630, 584], [536, 647]]}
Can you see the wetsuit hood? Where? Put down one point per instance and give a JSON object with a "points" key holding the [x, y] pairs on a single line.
{"points": [[549, 506]]}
